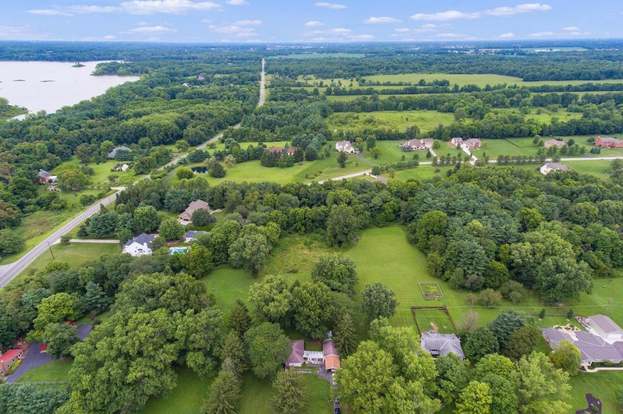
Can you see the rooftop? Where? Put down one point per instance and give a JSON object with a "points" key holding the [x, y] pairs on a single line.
{"points": [[439, 344]]}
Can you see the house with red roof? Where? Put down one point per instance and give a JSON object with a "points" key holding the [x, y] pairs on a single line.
{"points": [[608, 142]]}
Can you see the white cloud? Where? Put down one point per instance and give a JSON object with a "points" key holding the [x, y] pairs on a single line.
{"points": [[455, 36], [49, 12], [571, 29], [92, 9], [234, 30], [167, 6], [519, 9], [337, 34], [332, 6], [402, 30], [20, 33], [508, 35], [340, 30], [382, 20], [249, 22], [446, 16], [314, 23], [237, 2], [361, 37], [109, 37], [152, 29], [450, 15]]}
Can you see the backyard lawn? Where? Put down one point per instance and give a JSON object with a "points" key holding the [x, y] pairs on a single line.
{"points": [[228, 285], [186, 398], [54, 371], [607, 386]]}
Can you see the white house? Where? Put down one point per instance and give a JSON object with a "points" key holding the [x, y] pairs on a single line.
{"points": [[140, 245], [346, 147], [553, 166]]}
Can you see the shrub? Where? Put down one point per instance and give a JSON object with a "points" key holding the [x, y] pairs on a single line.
{"points": [[489, 298]]}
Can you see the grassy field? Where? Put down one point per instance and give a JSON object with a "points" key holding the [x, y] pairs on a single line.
{"points": [[54, 371], [426, 121], [604, 385], [74, 254], [191, 390], [228, 285]]}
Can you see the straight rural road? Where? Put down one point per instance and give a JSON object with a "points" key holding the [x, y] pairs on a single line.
{"points": [[10, 271]]}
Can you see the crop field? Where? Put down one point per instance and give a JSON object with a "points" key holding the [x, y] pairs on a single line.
{"points": [[426, 121]]}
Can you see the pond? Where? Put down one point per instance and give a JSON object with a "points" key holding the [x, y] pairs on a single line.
{"points": [[49, 86]]}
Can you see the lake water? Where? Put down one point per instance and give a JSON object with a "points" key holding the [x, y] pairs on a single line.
{"points": [[49, 86]]}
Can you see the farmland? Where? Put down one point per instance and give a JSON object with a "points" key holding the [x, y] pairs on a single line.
{"points": [[426, 121]]}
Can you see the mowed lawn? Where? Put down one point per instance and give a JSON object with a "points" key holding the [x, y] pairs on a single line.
{"points": [[426, 121], [54, 371], [75, 254], [191, 391], [607, 386]]}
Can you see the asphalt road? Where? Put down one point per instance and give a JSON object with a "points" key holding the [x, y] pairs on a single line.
{"points": [[9, 272]]}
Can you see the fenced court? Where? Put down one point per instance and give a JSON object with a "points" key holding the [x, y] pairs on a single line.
{"points": [[433, 318], [430, 290]]}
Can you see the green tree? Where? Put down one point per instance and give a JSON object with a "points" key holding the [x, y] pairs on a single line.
{"points": [[198, 261], [54, 309], [567, 357], [313, 309], [479, 343], [171, 230], [475, 399], [224, 394], [543, 388], [378, 301], [345, 338], [249, 252], [289, 392], [202, 217], [341, 159], [431, 224], [452, 376], [337, 272], [72, 179], [216, 170], [146, 219], [523, 342], [59, 337], [234, 353], [31, 398], [271, 298], [268, 348], [11, 242], [504, 325], [239, 319], [342, 226], [184, 173]]}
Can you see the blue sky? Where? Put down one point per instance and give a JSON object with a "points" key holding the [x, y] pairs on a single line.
{"points": [[308, 20]]}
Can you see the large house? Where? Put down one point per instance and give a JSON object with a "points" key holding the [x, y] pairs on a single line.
{"points": [[554, 143], [346, 147], [9, 357], [553, 166], [45, 177], [470, 144], [438, 344], [328, 358], [186, 217], [417, 145], [608, 142], [289, 151], [601, 340], [140, 245]]}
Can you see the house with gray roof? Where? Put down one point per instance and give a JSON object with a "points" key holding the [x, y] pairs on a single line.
{"points": [[140, 245], [438, 344], [601, 340], [192, 235], [120, 151]]}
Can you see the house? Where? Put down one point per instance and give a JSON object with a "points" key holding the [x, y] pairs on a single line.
{"points": [[604, 327], [201, 77], [417, 145], [600, 341], [296, 358], [554, 143], [178, 250], [438, 344], [186, 217], [469, 144], [608, 142], [472, 143], [553, 166], [192, 235], [331, 356], [456, 142], [290, 151], [45, 177], [9, 357], [121, 167], [119, 152], [328, 358], [140, 245], [345, 147]]}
